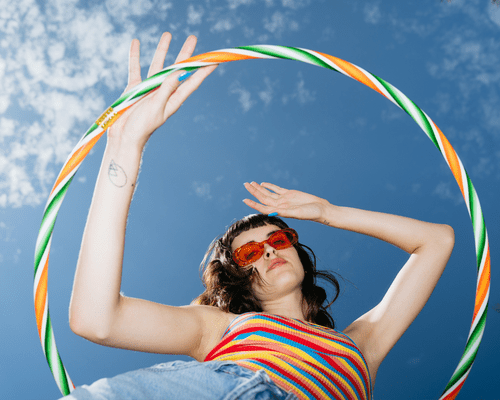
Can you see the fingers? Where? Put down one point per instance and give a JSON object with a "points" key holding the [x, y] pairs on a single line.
{"points": [[188, 87], [262, 194], [160, 54], [268, 201], [273, 187], [134, 65], [187, 49], [134, 76], [262, 208], [173, 95], [257, 206], [169, 96], [167, 93]]}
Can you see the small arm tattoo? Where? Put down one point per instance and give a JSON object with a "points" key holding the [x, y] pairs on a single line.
{"points": [[326, 222], [116, 174]]}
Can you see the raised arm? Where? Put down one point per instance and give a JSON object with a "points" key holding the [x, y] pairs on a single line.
{"points": [[97, 310], [429, 245]]}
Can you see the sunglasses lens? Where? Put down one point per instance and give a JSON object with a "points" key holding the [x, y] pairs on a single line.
{"points": [[283, 239], [279, 240], [248, 254]]}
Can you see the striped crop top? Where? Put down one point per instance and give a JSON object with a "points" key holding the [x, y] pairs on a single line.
{"points": [[309, 360]]}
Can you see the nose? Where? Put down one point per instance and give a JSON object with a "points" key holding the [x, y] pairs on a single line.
{"points": [[268, 250]]}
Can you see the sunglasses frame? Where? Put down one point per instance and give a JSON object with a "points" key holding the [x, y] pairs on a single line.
{"points": [[244, 263]]}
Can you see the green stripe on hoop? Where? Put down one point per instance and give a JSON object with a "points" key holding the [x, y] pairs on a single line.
{"points": [[90, 130], [396, 97], [54, 204], [264, 50], [477, 222], [120, 100], [43, 245], [151, 85], [145, 90], [428, 126], [312, 58], [58, 369], [475, 336]]}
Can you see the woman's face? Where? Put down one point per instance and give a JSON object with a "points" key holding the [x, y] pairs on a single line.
{"points": [[281, 269]]}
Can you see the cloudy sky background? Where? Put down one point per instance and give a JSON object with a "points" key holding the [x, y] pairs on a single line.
{"points": [[63, 62]]}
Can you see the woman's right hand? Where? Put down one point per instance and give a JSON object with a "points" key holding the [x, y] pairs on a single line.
{"points": [[137, 124]]}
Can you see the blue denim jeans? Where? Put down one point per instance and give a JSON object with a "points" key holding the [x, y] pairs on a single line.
{"points": [[185, 380]]}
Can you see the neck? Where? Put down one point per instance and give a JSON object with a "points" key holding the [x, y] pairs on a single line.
{"points": [[289, 306]]}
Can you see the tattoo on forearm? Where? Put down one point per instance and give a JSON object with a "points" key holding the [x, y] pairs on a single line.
{"points": [[116, 174], [326, 222]]}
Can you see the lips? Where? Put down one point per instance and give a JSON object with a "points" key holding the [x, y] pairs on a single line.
{"points": [[276, 263]]}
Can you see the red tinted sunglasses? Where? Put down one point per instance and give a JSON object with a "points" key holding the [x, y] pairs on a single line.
{"points": [[251, 252]]}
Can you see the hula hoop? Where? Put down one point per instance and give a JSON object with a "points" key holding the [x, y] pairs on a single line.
{"points": [[93, 134]]}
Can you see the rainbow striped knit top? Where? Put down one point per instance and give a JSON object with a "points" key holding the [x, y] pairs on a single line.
{"points": [[309, 360]]}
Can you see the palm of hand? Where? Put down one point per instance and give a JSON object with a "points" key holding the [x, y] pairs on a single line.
{"points": [[288, 203], [137, 124]]}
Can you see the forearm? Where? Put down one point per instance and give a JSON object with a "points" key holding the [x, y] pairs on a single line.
{"points": [[406, 233], [96, 288]]}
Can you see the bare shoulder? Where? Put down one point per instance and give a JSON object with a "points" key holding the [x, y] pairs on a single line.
{"points": [[360, 333], [215, 322]]}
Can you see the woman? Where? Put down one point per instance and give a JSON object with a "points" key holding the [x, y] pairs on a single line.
{"points": [[258, 279]]}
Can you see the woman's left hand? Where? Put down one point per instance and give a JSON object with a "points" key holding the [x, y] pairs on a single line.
{"points": [[287, 203]]}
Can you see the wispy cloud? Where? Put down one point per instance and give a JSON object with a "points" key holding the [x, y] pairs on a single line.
{"points": [[222, 25], [392, 113], [248, 32], [202, 190], [469, 60], [54, 65], [123, 10], [327, 34], [279, 23], [244, 96], [295, 4], [267, 95], [444, 191], [302, 94], [372, 13], [195, 15], [233, 4], [282, 175], [494, 14], [471, 63], [491, 111], [412, 26]]}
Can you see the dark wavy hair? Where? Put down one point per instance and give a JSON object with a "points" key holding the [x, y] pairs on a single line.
{"points": [[229, 287]]}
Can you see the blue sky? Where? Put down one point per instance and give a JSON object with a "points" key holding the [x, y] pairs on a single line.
{"points": [[62, 62]]}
